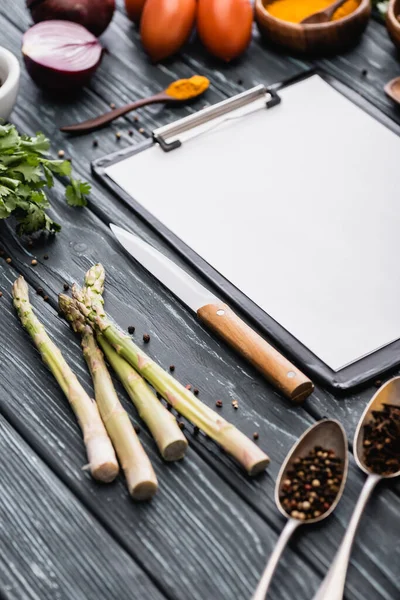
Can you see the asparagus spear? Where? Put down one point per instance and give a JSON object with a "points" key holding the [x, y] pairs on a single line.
{"points": [[252, 458], [161, 423], [163, 426], [139, 473], [102, 460]]}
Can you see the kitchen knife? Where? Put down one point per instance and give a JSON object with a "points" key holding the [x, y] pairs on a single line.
{"points": [[218, 317]]}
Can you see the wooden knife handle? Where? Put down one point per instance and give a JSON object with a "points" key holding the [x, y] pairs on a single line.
{"points": [[275, 367]]}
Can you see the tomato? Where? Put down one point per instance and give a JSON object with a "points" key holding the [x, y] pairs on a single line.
{"points": [[225, 26], [166, 25], [134, 9]]}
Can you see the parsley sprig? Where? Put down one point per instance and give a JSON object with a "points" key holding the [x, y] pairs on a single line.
{"points": [[25, 171]]}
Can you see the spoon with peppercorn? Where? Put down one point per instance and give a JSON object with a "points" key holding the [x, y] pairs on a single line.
{"points": [[309, 486], [377, 452]]}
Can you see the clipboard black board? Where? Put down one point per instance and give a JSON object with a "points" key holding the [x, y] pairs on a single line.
{"points": [[361, 372]]}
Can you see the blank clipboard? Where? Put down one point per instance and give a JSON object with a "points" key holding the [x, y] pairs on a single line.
{"points": [[287, 200]]}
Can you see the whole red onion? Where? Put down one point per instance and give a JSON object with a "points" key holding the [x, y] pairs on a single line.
{"points": [[95, 15], [60, 55]]}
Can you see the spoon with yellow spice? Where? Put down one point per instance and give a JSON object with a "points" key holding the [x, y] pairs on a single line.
{"points": [[178, 91]]}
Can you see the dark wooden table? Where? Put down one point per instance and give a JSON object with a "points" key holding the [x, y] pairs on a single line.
{"points": [[210, 530]]}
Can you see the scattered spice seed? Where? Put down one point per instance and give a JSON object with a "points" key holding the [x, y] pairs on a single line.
{"points": [[240, 81], [118, 135], [34, 262], [235, 404], [46, 257], [181, 425], [364, 72], [46, 298], [196, 392], [172, 368], [378, 383], [40, 291], [61, 153], [1, 294], [146, 338], [95, 143], [299, 495], [196, 430], [136, 119], [188, 386], [131, 329], [66, 287], [8, 260], [382, 440], [112, 105], [137, 429], [130, 132], [218, 403], [141, 130], [256, 435]]}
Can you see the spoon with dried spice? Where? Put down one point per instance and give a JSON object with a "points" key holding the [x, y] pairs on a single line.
{"points": [[309, 485], [179, 91], [377, 453]]}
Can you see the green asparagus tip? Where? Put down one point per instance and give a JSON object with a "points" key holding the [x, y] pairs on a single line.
{"points": [[20, 292], [72, 313], [95, 277]]}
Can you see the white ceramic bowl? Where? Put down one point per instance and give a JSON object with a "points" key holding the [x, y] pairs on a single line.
{"points": [[9, 79]]}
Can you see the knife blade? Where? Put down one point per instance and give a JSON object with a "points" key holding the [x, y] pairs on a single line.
{"points": [[217, 315]]}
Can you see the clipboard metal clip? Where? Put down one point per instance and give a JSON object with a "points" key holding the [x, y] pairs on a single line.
{"points": [[216, 113]]}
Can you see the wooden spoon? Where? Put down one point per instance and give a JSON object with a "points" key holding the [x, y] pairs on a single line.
{"points": [[323, 16], [392, 89], [97, 122]]}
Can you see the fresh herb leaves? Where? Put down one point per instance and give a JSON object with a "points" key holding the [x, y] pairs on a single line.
{"points": [[24, 171]]}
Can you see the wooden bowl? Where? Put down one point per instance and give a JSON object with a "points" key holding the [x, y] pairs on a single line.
{"points": [[392, 23], [323, 38]]}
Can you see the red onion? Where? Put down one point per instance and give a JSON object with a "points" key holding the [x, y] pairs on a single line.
{"points": [[95, 15], [60, 55]]}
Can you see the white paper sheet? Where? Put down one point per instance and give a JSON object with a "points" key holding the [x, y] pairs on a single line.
{"points": [[297, 206]]}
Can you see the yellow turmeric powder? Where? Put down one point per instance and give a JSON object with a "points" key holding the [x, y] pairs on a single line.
{"points": [[295, 11], [184, 89]]}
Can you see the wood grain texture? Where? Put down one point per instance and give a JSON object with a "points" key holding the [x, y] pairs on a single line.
{"points": [[133, 297], [287, 378], [51, 546]]}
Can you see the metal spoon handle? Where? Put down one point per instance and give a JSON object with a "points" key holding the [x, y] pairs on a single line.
{"points": [[100, 121], [332, 587], [266, 577]]}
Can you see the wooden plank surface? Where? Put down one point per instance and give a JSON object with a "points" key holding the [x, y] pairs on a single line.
{"points": [[51, 546], [155, 310]]}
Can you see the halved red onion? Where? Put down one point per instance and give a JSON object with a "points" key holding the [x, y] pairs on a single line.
{"points": [[61, 55]]}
